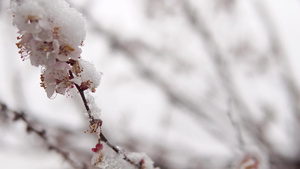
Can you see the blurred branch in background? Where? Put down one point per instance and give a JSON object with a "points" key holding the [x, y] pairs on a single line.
{"points": [[226, 69], [13, 115]]}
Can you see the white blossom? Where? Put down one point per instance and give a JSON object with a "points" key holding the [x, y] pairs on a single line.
{"points": [[89, 75], [56, 78], [51, 36]]}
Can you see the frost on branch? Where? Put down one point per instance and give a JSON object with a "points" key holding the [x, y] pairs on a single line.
{"points": [[142, 160], [95, 110], [51, 36], [87, 75], [105, 158]]}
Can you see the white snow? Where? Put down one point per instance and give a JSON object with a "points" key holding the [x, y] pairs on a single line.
{"points": [[138, 111]]}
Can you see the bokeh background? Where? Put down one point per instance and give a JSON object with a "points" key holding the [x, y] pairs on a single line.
{"points": [[195, 84]]}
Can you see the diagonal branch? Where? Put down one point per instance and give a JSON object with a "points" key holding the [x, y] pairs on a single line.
{"points": [[97, 123], [31, 128]]}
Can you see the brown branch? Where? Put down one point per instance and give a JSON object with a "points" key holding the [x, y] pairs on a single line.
{"points": [[30, 128], [98, 123], [81, 92], [198, 23], [117, 150], [130, 48]]}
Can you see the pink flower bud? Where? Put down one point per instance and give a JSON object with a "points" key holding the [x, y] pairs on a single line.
{"points": [[94, 150], [98, 148]]}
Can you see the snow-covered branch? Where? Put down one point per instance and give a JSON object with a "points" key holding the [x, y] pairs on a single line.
{"points": [[51, 35]]}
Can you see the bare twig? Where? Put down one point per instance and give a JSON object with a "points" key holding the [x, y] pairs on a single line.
{"points": [[30, 128], [177, 99], [214, 50], [81, 92], [236, 126], [98, 123], [128, 47]]}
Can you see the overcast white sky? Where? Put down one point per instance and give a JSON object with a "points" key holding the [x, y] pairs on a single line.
{"points": [[168, 84]]}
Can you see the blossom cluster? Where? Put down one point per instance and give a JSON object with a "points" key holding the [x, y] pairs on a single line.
{"points": [[51, 34]]}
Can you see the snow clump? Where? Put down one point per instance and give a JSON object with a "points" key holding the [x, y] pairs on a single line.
{"points": [[51, 34], [105, 158]]}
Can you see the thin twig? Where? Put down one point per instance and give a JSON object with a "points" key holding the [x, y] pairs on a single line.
{"points": [[117, 150], [30, 127], [92, 121], [130, 47], [81, 92], [236, 126]]}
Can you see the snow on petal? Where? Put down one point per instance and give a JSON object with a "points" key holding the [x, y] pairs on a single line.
{"points": [[89, 75], [142, 159], [51, 34]]}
